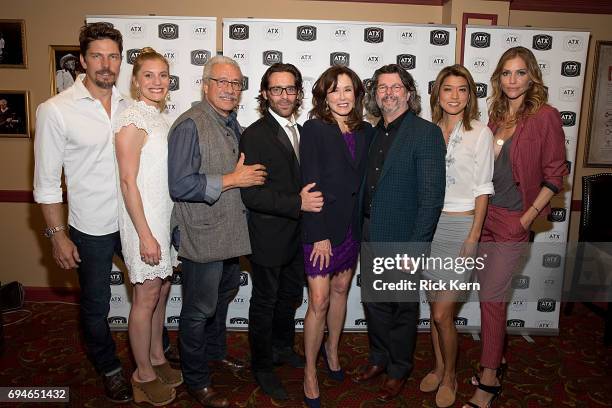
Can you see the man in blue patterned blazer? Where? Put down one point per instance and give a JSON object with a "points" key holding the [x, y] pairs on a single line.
{"points": [[401, 200]]}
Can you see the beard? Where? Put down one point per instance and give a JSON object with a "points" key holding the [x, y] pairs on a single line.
{"points": [[108, 84]]}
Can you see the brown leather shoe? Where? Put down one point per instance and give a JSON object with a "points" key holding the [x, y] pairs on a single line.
{"points": [[230, 363], [209, 397], [368, 372], [390, 389]]}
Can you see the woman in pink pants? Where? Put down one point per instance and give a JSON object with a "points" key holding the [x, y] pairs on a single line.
{"points": [[529, 167]]}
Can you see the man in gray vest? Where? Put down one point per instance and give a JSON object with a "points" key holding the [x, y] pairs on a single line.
{"points": [[205, 172]]}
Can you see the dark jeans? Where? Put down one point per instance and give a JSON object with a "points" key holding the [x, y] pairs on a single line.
{"points": [[277, 293], [96, 254], [208, 288]]}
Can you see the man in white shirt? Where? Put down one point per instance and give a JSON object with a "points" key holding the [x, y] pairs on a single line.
{"points": [[74, 132]]}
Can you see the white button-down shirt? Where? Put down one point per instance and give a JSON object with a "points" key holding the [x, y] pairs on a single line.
{"points": [[469, 167], [74, 132], [284, 122]]}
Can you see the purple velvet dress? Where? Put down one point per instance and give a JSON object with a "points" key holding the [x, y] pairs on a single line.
{"points": [[345, 254]]}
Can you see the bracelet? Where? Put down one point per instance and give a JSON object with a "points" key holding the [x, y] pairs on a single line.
{"points": [[535, 208], [49, 232]]}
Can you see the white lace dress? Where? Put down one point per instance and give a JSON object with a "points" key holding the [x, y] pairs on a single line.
{"points": [[152, 181]]}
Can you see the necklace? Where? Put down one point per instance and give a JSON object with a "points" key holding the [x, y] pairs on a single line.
{"points": [[499, 142]]}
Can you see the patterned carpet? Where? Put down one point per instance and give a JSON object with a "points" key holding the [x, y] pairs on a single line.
{"points": [[43, 348]]}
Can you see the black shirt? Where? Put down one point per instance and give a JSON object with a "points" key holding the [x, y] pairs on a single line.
{"points": [[383, 139]]}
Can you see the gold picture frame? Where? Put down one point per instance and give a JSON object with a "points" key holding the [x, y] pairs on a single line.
{"points": [[14, 114], [13, 51], [598, 149], [64, 66]]}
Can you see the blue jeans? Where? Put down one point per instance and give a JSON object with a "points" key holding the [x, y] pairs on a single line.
{"points": [[96, 254], [208, 288]]}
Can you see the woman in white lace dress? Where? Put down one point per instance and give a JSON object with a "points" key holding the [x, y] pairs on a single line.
{"points": [[144, 223]]}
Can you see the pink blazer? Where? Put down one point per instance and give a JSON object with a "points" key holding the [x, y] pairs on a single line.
{"points": [[538, 154]]}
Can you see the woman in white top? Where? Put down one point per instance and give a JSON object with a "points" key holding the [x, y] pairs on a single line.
{"points": [[145, 207], [469, 171]]}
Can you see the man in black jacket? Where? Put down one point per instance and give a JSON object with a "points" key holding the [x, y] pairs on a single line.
{"points": [[274, 226]]}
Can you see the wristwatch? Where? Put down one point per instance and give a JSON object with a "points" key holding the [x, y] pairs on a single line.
{"points": [[50, 231]]}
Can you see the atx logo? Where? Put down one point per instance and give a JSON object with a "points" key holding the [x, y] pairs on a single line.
{"points": [[174, 83], [199, 31], [568, 118], [240, 56], [461, 321], [244, 279], [136, 30], [340, 33], [551, 260], [239, 320], [439, 37], [272, 57], [200, 57], [568, 93], [177, 277], [406, 61], [546, 305], [481, 90], [480, 65], [168, 31], [361, 322], [512, 40], [132, 54], [339, 58], [430, 86], [573, 43], [239, 31], [557, 214], [117, 320], [305, 59], [245, 86], [273, 33], [542, 42], [306, 33], [374, 60], [480, 40], [373, 35], [116, 278], [437, 62], [424, 322], [173, 319], [570, 68], [515, 323], [520, 282], [407, 37]]}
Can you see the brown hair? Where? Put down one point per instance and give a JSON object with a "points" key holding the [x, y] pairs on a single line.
{"points": [[329, 80], [471, 109], [147, 54], [99, 31], [265, 82], [535, 97], [414, 100]]}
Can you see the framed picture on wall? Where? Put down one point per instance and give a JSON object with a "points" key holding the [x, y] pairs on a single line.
{"points": [[64, 66], [598, 152], [13, 44], [14, 114]]}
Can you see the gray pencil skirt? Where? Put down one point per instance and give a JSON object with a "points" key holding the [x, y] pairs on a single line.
{"points": [[443, 263]]}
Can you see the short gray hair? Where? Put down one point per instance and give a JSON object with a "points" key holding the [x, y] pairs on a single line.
{"points": [[218, 59]]}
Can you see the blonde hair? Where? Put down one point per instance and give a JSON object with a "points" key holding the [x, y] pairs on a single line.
{"points": [[536, 94], [147, 54], [471, 109]]}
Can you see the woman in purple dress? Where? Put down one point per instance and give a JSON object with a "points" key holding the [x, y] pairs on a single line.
{"points": [[333, 152]]}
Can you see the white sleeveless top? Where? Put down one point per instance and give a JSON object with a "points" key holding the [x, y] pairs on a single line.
{"points": [[152, 182]]}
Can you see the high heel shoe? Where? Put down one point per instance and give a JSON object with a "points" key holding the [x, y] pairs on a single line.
{"points": [[336, 375], [494, 390], [312, 402], [500, 373]]}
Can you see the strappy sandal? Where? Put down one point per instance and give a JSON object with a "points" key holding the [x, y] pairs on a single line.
{"points": [[500, 373], [494, 390]]}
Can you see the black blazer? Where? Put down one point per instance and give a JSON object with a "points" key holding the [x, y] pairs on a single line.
{"points": [[325, 159], [274, 208]]}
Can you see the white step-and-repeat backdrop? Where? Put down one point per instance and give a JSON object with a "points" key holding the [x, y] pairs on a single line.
{"points": [[423, 50]]}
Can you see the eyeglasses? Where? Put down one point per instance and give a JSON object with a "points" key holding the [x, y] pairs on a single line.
{"points": [[278, 90], [224, 83], [395, 88]]}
